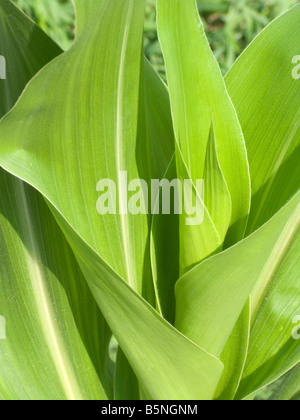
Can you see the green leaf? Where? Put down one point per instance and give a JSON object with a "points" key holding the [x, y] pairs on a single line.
{"points": [[49, 351], [92, 134], [160, 356], [275, 302], [157, 126], [197, 92], [126, 384], [217, 195], [266, 98], [211, 297], [165, 254], [289, 388], [19, 37], [157, 144], [199, 237], [86, 12], [234, 357]]}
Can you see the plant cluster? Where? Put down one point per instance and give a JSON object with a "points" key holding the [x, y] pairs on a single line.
{"points": [[100, 302]]}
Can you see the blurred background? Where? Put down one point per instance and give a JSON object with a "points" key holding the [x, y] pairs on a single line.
{"points": [[230, 24]]}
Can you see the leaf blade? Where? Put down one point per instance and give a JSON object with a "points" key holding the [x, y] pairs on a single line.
{"points": [[48, 352], [197, 92], [266, 98]]}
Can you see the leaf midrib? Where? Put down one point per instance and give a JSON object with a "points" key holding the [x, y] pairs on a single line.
{"points": [[119, 140], [49, 325]]}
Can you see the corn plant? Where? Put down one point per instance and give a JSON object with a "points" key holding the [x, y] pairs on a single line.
{"points": [[193, 311]]}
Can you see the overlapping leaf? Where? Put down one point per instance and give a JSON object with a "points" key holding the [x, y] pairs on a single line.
{"points": [[217, 196], [55, 348], [99, 111], [266, 97], [197, 92], [211, 297], [92, 134], [51, 350], [289, 389], [234, 357]]}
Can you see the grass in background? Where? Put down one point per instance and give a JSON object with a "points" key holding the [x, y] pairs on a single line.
{"points": [[230, 24]]}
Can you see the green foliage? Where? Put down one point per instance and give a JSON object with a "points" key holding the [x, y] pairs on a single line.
{"points": [[55, 17], [230, 26], [104, 303]]}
